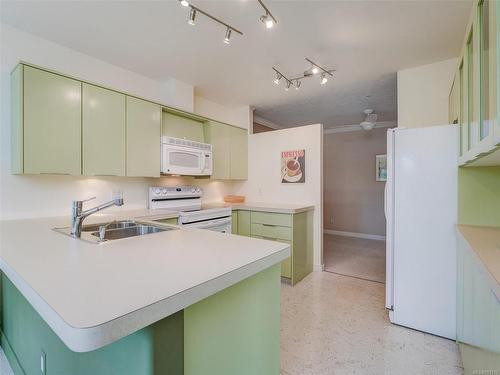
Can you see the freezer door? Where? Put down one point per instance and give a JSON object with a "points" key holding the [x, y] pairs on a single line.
{"points": [[425, 215]]}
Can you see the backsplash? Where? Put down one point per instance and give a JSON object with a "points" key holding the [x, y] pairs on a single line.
{"points": [[51, 195]]}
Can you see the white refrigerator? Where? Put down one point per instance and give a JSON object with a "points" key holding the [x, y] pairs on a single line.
{"points": [[421, 213]]}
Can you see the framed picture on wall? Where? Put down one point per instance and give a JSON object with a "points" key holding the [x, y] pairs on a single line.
{"points": [[293, 166], [381, 167]]}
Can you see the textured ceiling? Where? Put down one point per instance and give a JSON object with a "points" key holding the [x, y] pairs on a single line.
{"points": [[367, 42]]}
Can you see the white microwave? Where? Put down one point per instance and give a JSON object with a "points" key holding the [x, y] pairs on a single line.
{"points": [[185, 157]]}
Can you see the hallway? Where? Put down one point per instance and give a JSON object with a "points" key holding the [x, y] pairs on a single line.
{"points": [[355, 257]]}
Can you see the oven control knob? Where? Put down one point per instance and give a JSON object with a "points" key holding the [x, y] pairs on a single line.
{"points": [[193, 190], [164, 191], [157, 191], [198, 190]]}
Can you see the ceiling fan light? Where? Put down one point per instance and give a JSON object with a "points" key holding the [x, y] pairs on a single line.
{"points": [[297, 85], [324, 80], [315, 70], [184, 3]]}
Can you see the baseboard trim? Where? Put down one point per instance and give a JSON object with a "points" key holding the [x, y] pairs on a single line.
{"points": [[356, 235]]}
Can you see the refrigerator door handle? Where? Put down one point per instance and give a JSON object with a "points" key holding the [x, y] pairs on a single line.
{"points": [[385, 200]]}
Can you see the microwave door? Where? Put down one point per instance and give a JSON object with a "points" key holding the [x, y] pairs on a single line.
{"points": [[183, 162]]}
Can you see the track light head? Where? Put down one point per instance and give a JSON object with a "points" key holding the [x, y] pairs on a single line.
{"points": [[267, 20], [314, 70], [324, 79], [228, 36], [192, 16], [277, 79], [184, 3]]}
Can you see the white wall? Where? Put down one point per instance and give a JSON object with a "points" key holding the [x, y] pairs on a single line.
{"points": [[264, 175], [42, 195], [423, 94], [240, 116]]}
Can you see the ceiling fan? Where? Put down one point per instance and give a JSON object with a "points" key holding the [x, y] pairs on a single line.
{"points": [[370, 120]]}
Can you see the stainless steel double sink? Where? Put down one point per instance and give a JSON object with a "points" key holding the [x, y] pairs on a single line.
{"points": [[115, 230]]}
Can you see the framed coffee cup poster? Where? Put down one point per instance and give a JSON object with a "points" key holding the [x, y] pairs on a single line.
{"points": [[293, 166]]}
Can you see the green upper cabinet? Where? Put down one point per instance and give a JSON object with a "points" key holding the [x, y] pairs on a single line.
{"points": [[103, 122], [143, 138], [239, 153], [51, 123], [219, 135], [230, 151], [174, 125]]}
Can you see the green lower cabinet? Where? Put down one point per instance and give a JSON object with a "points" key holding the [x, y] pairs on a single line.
{"points": [[244, 223], [26, 336], [478, 316], [234, 222], [235, 331], [294, 229]]}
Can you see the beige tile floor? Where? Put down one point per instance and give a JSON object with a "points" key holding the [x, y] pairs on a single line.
{"points": [[355, 257], [335, 325]]}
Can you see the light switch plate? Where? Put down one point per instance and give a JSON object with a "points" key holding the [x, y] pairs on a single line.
{"points": [[43, 363]]}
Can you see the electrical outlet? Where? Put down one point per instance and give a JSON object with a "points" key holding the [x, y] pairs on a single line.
{"points": [[331, 219], [43, 363]]}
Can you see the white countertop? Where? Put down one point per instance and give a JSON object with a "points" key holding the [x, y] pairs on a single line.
{"points": [[264, 207], [94, 294]]}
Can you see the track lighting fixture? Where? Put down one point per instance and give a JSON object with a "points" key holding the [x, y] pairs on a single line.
{"points": [[297, 81], [192, 16], [228, 36], [195, 10], [278, 77], [267, 19]]}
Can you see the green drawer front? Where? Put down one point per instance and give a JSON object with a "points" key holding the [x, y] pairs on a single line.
{"points": [[272, 231], [270, 218], [286, 265]]}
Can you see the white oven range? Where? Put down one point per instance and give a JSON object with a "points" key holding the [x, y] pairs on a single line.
{"points": [[187, 200]]}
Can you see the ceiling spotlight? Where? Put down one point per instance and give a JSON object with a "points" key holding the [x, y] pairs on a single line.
{"points": [[297, 85], [228, 36], [277, 80], [323, 79], [288, 84], [314, 70], [184, 3], [192, 16], [267, 20]]}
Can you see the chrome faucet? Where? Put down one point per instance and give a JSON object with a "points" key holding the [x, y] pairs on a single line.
{"points": [[78, 215]]}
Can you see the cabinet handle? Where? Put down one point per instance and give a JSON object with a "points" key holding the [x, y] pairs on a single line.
{"points": [[269, 225], [269, 238]]}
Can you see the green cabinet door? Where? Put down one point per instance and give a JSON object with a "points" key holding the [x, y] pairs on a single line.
{"points": [[234, 222], [52, 123], [238, 154], [218, 135], [143, 138], [103, 131], [244, 223], [177, 126]]}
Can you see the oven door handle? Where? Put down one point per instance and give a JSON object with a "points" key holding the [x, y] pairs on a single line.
{"points": [[209, 223]]}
